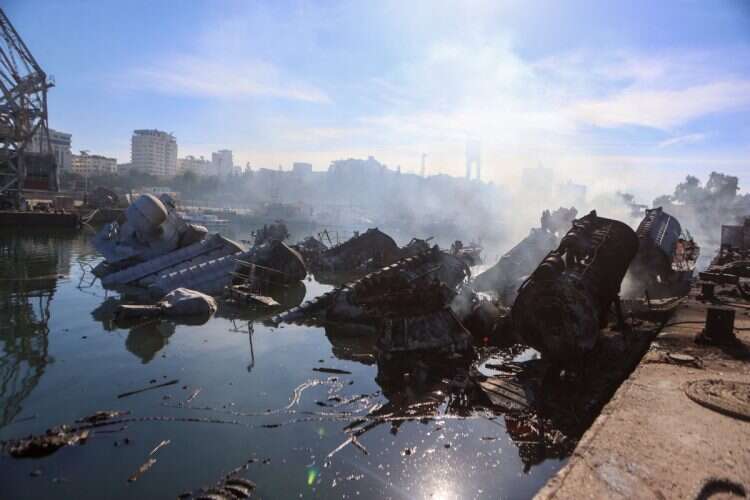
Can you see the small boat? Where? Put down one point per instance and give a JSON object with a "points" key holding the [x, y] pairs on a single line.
{"points": [[203, 219]]}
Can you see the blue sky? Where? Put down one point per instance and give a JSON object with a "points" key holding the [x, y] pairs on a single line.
{"points": [[619, 95]]}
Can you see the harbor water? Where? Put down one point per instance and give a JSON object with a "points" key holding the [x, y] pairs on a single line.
{"points": [[247, 395]]}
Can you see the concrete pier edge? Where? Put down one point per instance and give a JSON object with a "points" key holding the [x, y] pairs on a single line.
{"points": [[651, 440]]}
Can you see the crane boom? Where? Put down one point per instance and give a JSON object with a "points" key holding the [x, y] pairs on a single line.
{"points": [[26, 159]]}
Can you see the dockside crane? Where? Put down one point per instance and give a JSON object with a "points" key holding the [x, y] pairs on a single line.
{"points": [[26, 157]]}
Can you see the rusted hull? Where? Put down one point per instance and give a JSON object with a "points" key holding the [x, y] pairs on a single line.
{"points": [[564, 303]]}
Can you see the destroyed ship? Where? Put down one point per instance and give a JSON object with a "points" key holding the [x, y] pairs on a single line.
{"points": [[426, 302], [368, 252], [413, 303], [666, 258], [505, 277], [734, 252], [154, 250], [363, 253]]}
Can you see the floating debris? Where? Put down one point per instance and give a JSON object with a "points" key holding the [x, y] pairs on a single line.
{"points": [[193, 395], [102, 416], [142, 469], [332, 370], [230, 487], [159, 446], [138, 391], [48, 443], [177, 303], [408, 451]]}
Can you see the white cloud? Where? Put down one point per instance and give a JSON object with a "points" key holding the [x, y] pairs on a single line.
{"points": [[446, 85], [663, 109], [202, 76], [683, 139]]}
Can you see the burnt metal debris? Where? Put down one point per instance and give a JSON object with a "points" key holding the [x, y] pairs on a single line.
{"points": [[422, 282], [422, 303], [364, 252], [666, 258], [734, 254], [505, 277], [178, 302], [47, 443], [731, 266], [415, 298], [471, 253], [155, 251], [432, 335], [564, 303], [270, 232]]}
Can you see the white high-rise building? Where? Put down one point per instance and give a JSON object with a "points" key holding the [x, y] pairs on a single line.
{"points": [[60, 143], [87, 165], [154, 152], [223, 162], [198, 166]]}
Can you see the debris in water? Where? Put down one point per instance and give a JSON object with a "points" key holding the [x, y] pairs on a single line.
{"points": [[193, 395], [178, 302], [408, 451], [101, 416], [48, 443], [142, 469], [230, 487], [138, 391], [332, 370], [159, 446]]}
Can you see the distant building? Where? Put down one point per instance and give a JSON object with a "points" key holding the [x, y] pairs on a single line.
{"points": [[122, 168], [223, 162], [198, 166], [538, 178], [474, 159], [154, 152], [159, 190], [87, 165], [356, 168], [60, 143], [300, 169], [574, 193]]}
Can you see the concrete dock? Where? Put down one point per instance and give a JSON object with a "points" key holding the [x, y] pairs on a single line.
{"points": [[38, 219], [651, 440]]}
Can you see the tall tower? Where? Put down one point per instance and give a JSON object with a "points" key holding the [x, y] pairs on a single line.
{"points": [[473, 158]]}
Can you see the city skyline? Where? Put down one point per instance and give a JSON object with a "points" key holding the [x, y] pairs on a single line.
{"points": [[651, 92]]}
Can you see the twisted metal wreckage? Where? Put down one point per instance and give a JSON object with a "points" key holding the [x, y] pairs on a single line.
{"points": [[428, 303], [666, 258], [415, 298], [424, 304]]}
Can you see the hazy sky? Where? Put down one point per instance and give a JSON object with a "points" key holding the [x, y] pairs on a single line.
{"points": [[631, 94]]}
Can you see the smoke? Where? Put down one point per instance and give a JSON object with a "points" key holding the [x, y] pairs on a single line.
{"points": [[702, 209], [356, 194]]}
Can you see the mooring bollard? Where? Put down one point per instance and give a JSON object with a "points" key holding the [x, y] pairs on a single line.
{"points": [[719, 327], [707, 291]]}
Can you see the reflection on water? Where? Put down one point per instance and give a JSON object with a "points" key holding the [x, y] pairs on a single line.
{"points": [[30, 265], [426, 429]]}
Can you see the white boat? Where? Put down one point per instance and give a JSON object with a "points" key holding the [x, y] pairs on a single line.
{"points": [[203, 219]]}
